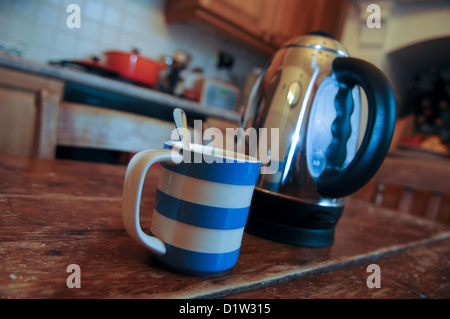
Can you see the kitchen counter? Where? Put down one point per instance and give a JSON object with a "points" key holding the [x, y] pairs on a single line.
{"points": [[97, 82], [57, 213]]}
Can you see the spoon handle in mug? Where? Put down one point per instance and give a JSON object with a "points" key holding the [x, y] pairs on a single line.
{"points": [[181, 123]]}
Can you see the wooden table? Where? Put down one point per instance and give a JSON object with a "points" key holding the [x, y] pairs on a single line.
{"points": [[56, 213]]}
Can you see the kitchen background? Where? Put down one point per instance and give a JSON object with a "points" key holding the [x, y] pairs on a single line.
{"points": [[39, 28], [412, 46]]}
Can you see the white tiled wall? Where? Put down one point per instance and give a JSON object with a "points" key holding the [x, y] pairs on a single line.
{"points": [[40, 26]]}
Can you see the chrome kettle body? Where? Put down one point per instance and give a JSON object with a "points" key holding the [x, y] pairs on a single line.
{"points": [[310, 93]]}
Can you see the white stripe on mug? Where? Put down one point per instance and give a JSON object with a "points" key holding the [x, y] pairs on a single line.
{"points": [[204, 192], [194, 238]]}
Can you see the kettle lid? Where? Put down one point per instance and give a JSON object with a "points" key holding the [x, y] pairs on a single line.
{"points": [[318, 40]]}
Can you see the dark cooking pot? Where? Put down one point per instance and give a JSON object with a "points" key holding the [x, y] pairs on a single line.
{"points": [[135, 67]]}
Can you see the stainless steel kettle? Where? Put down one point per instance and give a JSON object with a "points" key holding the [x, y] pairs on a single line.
{"points": [[310, 93]]}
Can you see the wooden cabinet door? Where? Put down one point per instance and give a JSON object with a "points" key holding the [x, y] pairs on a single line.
{"points": [[247, 21], [28, 113], [245, 15], [248, 15], [264, 24], [296, 17]]}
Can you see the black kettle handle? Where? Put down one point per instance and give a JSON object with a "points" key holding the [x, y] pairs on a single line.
{"points": [[378, 134]]}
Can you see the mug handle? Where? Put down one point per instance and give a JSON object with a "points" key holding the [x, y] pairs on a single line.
{"points": [[132, 189]]}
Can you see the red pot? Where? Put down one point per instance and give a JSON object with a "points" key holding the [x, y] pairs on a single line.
{"points": [[135, 67]]}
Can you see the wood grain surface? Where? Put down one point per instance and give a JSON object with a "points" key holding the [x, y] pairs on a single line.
{"points": [[54, 213]]}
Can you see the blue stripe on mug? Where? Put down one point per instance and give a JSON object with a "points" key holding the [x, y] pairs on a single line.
{"points": [[200, 215], [227, 173], [196, 263], [237, 172]]}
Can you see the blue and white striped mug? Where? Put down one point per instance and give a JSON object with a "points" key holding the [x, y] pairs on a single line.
{"points": [[201, 206]]}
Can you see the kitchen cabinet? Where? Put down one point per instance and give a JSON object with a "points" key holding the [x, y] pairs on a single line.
{"points": [[28, 112], [32, 121], [296, 17], [265, 25]]}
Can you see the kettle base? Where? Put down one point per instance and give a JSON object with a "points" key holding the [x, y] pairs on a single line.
{"points": [[289, 234], [292, 221]]}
